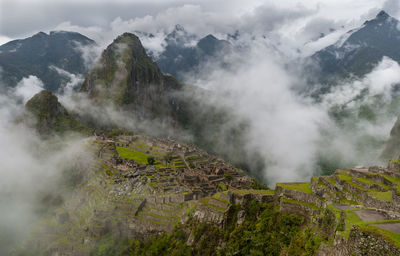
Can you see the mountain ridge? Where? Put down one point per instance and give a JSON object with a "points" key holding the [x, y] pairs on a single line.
{"points": [[36, 54], [361, 50]]}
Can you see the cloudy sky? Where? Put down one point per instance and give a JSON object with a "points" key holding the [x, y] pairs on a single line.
{"points": [[22, 18]]}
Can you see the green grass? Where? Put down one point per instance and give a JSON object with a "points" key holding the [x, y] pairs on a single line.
{"points": [[258, 192], [393, 237], [149, 148], [385, 196], [298, 186], [218, 197], [290, 201], [331, 180], [384, 186], [371, 182], [222, 186], [348, 179], [395, 161], [205, 201], [394, 180], [131, 154], [365, 180], [351, 219], [136, 156]]}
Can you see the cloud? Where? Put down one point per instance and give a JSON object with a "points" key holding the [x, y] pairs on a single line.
{"points": [[392, 7], [27, 87], [70, 87], [31, 168], [283, 127], [380, 81]]}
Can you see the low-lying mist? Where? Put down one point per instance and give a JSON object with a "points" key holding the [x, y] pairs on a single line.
{"points": [[296, 135], [36, 174]]}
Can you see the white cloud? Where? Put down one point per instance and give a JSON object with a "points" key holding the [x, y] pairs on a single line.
{"points": [[27, 87], [70, 87], [379, 82], [4, 39]]}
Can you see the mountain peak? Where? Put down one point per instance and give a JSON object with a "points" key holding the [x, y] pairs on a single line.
{"points": [[382, 15], [179, 27], [128, 38], [127, 76], [40, 34], [49, 115]]}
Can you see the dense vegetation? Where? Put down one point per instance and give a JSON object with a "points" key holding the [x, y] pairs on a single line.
{"points": [[264, 231]]}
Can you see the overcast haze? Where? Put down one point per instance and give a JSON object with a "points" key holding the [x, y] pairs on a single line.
{"points": [[22, 18]]}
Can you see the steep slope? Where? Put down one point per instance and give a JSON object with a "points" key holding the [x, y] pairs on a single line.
{"points": [[184, 52], [47, 115], [37, 54], [146, 196], [392, 147], [126, 77], [361, 49]]}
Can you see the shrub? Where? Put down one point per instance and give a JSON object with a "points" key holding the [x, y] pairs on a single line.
{"points": [[228, 176], [151, 160]]}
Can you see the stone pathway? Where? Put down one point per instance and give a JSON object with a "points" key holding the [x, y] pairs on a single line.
{"points": [[370, 215]]}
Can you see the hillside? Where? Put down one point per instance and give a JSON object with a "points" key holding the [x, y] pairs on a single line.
{"points": [[140, 189], [37, 55], [47, 116]]}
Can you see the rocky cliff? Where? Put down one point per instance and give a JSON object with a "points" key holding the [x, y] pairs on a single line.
{"points": [[126, 77]]}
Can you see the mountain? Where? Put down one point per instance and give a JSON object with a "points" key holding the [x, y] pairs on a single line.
{"points": [[39, 54], [48, 116], [128, 78], [184, 52], [359, 50]]}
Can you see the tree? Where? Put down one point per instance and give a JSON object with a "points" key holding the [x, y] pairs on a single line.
{"points": [[151, 160]]}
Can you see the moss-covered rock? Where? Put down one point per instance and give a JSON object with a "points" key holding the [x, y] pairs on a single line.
{"points": [[47, 115]]}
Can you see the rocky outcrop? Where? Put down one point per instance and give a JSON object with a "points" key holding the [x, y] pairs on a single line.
{"points": [[127, 77], [47, 115]]}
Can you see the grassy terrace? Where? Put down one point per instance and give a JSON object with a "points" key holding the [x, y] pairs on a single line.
{"points": [[395, 238], [353, 219], [218, 197], [137, 156], [290, 201], [365, 180], [371, 182], [257, 192], [385, 196], [394, 180], [145, 147], [297, 186], [140, 157], [348, 179], [205, 201]]}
